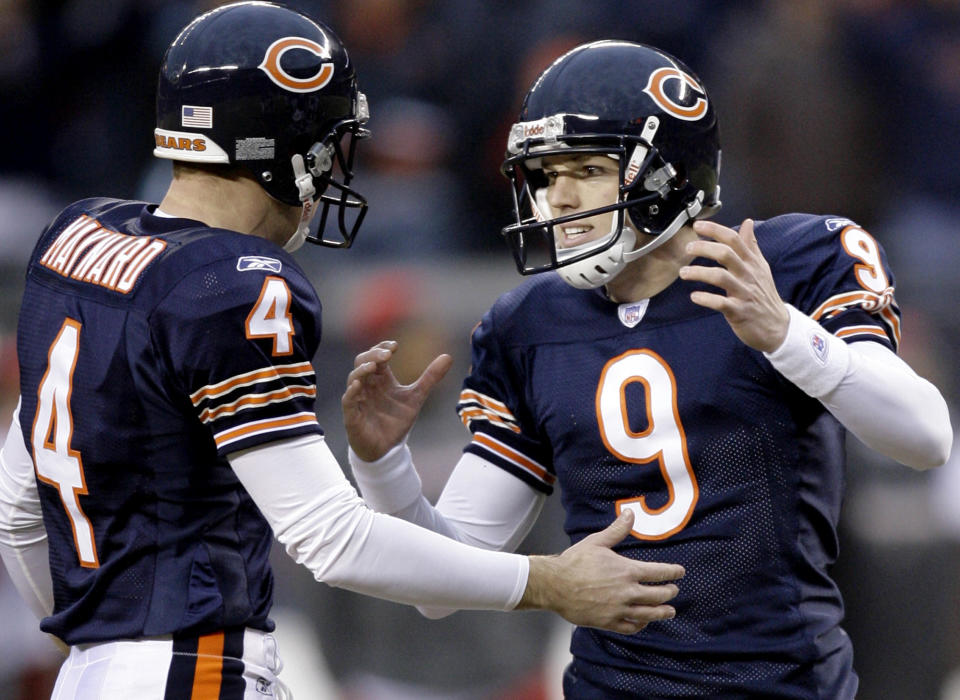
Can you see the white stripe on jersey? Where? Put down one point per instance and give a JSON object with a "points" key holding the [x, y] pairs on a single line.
{"points": [[248, 401], [476, 406], [262, 427], [271, 373]]}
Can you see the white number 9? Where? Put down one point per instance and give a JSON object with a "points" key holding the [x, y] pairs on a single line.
{"points": [[862, 246], [663, 440]]}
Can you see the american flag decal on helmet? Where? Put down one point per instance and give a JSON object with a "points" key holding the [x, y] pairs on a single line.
{"points": [[196, 117]]}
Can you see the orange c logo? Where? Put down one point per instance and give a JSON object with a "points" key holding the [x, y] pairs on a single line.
{"points": [[271, 65], [654, 88]]}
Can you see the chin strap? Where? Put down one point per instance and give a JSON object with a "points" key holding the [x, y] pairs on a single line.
{"points": [[306, 189], [689, 214], [600, 268]]}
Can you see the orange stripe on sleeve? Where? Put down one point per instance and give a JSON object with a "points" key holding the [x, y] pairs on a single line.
{"points": [[284, 394], [861, 330], [838, 302], [470, 414], [515, 457], [223, 438], [470, 395], [273, 372], [893, 321]]}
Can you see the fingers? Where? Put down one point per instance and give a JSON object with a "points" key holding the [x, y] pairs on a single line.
{"points": [[723, 234], [732, 260], [381, 352], [434, 372], [614, 533], [645, 606], [717, 276], [360, 372], [633, 618], [350, 394], [747, 234], [658, 572], [372, 361], [639, 617], [729, 248], [646, 595]]}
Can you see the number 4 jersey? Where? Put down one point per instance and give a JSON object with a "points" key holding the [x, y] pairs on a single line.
{"points": [[149, 349], [730, 470]]}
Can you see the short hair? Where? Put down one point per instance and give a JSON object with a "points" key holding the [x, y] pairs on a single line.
{"points": [[224, 170]]}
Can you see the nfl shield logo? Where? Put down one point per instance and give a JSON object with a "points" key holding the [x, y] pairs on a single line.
{"points": [[819, 346], [631, 314]]}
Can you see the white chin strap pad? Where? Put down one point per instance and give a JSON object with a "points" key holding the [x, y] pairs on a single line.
{"points": [[306, 189], [600, 268]]}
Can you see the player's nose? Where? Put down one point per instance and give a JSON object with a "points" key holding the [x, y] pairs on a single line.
{"points": [[562, 193]]}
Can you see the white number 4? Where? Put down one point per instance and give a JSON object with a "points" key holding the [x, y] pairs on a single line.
{"points": [[270, 316], [57, 463]]}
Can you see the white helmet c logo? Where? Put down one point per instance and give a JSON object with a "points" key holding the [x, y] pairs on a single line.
{"points": [[271, 64]]}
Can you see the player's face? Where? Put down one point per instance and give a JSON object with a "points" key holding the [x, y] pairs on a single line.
{"points": [[580, 183]]}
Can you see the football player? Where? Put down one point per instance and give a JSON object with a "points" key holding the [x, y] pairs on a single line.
{"points": [[166, 429], [699, 376]]}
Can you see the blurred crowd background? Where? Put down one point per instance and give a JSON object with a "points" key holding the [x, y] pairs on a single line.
{"points": [[849, 107]]}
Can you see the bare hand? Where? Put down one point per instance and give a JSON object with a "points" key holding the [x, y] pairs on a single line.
{"points": [[592, 586], [752, 305], [378, 411]]}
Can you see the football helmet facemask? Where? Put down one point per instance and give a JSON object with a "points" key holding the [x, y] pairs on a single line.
{"points": [[273, 92], [638, 105]]}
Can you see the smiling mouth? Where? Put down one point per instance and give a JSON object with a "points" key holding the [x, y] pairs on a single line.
{"points": [[574, 235]]}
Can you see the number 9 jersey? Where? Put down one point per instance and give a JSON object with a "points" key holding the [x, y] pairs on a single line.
{"points": [[730, 469], [150, 348]]}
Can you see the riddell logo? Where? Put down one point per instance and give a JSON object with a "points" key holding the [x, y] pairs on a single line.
{"points": [[180, 143], [533, 130]]}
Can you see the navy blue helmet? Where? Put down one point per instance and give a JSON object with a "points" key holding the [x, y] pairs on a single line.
{"points": [[269, 90], [638, 105]]}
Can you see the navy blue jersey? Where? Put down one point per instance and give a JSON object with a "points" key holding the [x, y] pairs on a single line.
{"points": [[150, 348], [731, 470]]}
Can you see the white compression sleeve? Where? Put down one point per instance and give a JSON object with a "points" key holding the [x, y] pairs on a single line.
{"points": [[324, 525], [871, 391], [481, 504], [23, 538], [891, 409]]}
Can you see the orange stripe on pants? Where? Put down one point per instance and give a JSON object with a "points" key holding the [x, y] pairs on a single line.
{"points": [[209, 672]]}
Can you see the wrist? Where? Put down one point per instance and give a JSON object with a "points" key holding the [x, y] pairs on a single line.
{"points": [[812, 358], [391, 459], [779, 335], [390, 483], [538, 594]]}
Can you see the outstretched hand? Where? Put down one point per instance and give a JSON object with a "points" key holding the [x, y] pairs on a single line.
{"points": [[752, 305], [592, 586], [378, 411]]}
